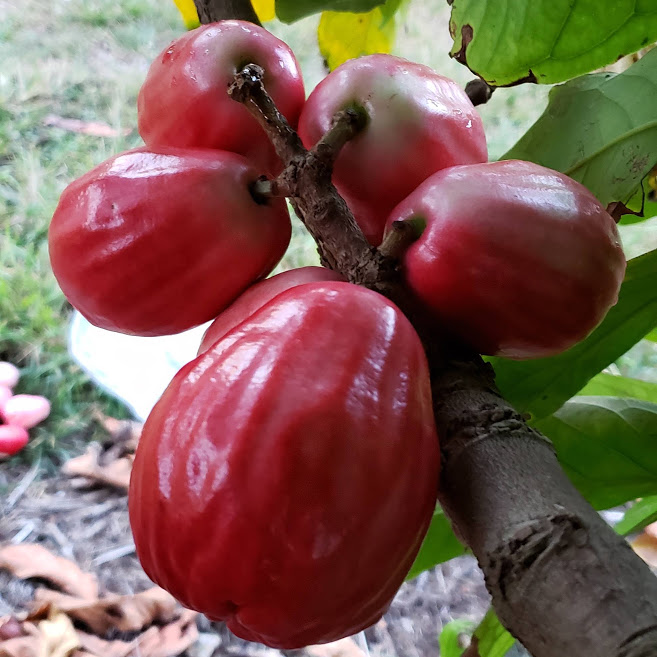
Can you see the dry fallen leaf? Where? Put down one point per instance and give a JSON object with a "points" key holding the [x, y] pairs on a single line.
{"points": [[28, 561], [91, 128], [126, 613], [646, 547], [59, 638], [89, 465], [342, 648], [170, 640], [651, 530]]}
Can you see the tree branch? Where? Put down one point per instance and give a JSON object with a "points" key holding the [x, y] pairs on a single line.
{"points": [[562, 581], [210, 11]]}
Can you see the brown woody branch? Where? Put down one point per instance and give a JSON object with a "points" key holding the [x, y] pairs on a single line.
{"points": [[562, 581], [210, 11]]}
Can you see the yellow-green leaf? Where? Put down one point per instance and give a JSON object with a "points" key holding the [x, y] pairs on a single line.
{"points": [[187, 10], [343, 35], [265, 9]]}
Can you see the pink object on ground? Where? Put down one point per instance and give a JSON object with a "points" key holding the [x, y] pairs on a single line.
{"points": [[12, 439], [9, 374], [5, 395], [26, 411]]}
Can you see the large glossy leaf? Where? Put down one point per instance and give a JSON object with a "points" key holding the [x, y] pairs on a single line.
{"points": [[642, 514], [440, 544], [539, 387], [599, 129], [345, 35], [547, 41], [292, 10], [608, 447], [449, 641], [608, 385]]}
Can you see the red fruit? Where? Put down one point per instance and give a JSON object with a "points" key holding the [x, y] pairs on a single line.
{"points": [[184, 101], [25, 410], [286, 478], [12, 439], [260, 294], [517, 260], [420, 122], [5, 395], [9, 374], [156, 243]]}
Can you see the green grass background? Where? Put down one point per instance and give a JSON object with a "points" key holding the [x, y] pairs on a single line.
{"points": [[86, 59]]}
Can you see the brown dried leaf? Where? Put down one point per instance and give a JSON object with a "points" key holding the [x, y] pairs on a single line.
{"points": [[59, 638], [651, 530], [646, 547], [98, 647], [126, 613], [28, 561], [91, 128], [28, 645], [342, 648], [170, 640], [121, 431], [167, 641], [113, 472]]}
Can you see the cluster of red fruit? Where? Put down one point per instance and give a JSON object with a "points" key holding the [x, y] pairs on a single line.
{"points": [[286, 478]]}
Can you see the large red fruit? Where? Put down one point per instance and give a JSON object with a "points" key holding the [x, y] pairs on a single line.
{"points": [[260, 294], [286, 478], [184, 101], [156, 243], [518, 260], [420, 122]]}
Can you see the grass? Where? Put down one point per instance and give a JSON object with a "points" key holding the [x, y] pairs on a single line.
{"points": [[86, 59]]}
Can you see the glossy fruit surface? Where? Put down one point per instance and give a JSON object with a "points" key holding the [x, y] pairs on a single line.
{"points": [[420, 122], [517, 260], [12, 439], [258, 295], [285, 480], [156, 243], [25, 410], [184, 101]]}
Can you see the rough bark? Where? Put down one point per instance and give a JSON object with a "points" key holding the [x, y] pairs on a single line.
{"points": [[210, 11], [562, 581]]}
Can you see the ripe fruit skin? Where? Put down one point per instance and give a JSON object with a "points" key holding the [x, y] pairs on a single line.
{"points": [[25, 410], [12, 439], [156, 243], [420, 122], [184, 101], [517, 260], [260, 294], [287, 476]]}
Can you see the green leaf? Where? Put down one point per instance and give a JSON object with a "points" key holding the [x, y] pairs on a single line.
{"points": [[639, 516], [440, 544], [547, 41], [607, 446], [539, 387], [449, 641], [344, 35], [599, 129], [608, 385], [652, 336], [491, 637], [292, 10]]}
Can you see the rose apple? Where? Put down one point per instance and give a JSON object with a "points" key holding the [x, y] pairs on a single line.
{"points": [[419, 122], [184, 100], [260, 294], [12, 439], [286, 478], [156, 243], [518, 260], [25, 410]]}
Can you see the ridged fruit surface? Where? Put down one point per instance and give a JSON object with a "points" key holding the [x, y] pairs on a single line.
{"points": [[184, 100], [156, 243], [517, 260], [286, 478], [420, 122], [258, 295]]}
